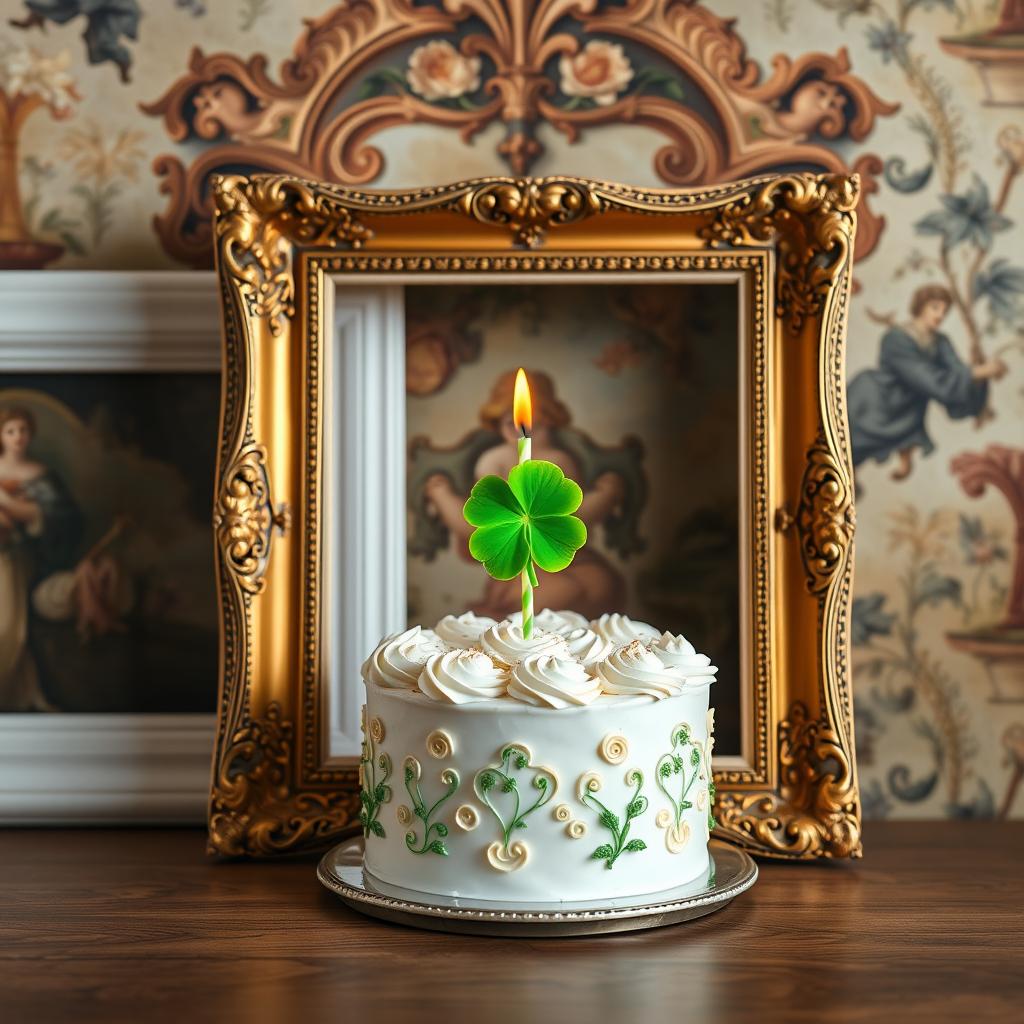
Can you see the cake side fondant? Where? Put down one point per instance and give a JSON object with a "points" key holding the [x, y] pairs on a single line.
{"points": [[507, 762]]}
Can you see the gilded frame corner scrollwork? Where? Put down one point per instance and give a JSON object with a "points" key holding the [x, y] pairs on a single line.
{"points": [[278, 239]]}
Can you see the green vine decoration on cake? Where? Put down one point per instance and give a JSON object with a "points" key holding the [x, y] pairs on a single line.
{"points": [[450, 778], [499, 778], [373, 794], [589, 784], [671, 771]]}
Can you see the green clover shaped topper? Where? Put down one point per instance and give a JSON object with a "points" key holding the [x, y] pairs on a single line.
{"points": [[525, 521]]}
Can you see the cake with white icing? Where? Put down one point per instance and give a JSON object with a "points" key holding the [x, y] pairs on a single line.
{"points": [[572, 765]]}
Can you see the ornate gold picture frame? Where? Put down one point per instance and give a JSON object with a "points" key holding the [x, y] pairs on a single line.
{"points": [[281, 242]]}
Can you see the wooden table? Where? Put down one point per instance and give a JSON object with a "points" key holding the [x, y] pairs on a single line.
{"points": [[138, 926]]}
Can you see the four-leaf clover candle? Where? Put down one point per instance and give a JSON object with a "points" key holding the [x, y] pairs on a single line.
{"points": [[527, 520]]}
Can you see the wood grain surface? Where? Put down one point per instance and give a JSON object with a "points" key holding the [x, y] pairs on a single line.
{"points": [[139, 926]]}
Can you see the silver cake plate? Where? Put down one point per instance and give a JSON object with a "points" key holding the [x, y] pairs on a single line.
{"points": [[731, 873]]}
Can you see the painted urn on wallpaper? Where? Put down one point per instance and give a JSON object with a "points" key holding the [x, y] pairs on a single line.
{"points": [[28, 81], [999, 646]]}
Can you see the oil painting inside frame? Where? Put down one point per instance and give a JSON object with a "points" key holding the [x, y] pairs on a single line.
{"points": [[636, 396], [108, 599]]}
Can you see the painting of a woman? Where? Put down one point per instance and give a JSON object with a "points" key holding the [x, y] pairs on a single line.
{"points": [[39, 528], [591, 585], [918, 365]]}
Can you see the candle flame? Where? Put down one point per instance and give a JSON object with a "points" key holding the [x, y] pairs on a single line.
{"points": [[522, 406]]}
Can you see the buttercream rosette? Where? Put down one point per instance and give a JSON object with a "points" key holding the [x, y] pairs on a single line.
{"points": [[461, 676], [399, 658], [463, 630], [546, 680]]}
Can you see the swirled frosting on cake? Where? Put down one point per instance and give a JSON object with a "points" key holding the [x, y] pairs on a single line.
{"points": [[565, 663], [461, 676], [546, 680], [636, 669], [463, 630], [505, 643], [399, 658], [587, 647], [620, 629], [562, 623], [675, 651]]}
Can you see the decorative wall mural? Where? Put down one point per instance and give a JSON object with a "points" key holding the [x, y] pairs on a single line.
{"points": [[924, 98], [671, 66]]}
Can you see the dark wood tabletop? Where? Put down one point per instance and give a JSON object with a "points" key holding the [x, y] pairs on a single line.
{"points": [[139, 926]]}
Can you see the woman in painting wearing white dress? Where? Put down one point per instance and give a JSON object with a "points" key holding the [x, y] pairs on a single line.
{"points": [[39, 528]]}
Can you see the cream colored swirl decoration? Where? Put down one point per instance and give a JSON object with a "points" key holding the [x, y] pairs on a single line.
{"points": [[511, 859], [574, 828], [404, 815], [676, 835], [377, 729], [440, 744], [614, 748], [467, 817], [589, 782]]}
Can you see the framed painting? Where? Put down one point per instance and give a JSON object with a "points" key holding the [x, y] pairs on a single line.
{"points": [[686, 353], [108, 639]]}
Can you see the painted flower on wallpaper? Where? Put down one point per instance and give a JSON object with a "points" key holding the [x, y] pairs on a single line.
{"points": [[102, 165], [600, 71], [870, 619], [980, 546], [890, 42], [1002, 285], [965, 218], [437, 71], [25, 72]]}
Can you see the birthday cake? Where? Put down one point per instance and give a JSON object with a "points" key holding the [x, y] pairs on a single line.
{"points": [[544, 757], [572, 765]]}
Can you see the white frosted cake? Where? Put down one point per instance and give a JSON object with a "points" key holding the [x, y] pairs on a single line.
{"points": [[574, 765]]}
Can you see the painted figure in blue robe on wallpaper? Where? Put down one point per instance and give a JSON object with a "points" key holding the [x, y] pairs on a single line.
{"points": [[917, 366], [39, 528]]}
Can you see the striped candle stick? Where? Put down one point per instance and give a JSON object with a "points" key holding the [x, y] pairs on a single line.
{"points": [[525, 452], [522, 416]]}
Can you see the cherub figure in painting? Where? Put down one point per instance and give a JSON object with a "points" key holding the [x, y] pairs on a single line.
{"points": [[917, 366], [591, 585]]}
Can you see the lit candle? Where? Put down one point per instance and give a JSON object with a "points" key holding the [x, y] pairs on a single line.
{"points": [[522, 416]]}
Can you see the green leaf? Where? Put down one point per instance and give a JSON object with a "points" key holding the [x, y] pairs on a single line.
{"points": [[603, 852], [509, 786], [637, 807], [695, 758], [438, 847], [504, 549], [492, 501], [525, 520], [555, 540], [543, 489], [442, 829], [377, 828], [487, 781], [522, 760], [610, 821], [636, 845], [665, 769]]}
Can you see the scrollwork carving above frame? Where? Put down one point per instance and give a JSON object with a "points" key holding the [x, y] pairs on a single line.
{"points": [[685, 76], [788, 239]]}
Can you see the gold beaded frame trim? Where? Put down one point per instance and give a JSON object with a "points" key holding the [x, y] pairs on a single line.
{"points": [[279, 240]]}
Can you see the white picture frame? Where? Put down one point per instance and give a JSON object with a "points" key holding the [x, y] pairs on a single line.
{"points": [[92, 769]]}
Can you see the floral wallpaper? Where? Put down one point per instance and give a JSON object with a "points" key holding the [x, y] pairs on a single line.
{"points": [[113, 116]]}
